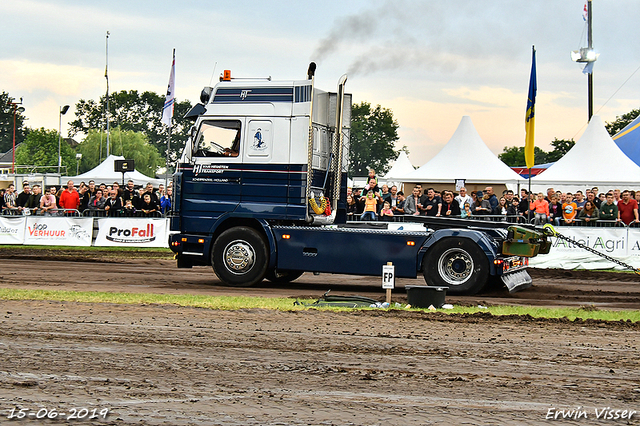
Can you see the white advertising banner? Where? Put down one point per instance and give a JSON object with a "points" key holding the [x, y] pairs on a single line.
{"points": [[132, 232], [12, 230], [620, 243], [58, 231]]}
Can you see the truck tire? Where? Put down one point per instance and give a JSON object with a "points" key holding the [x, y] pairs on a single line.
{"points": [[240, 257], [458, 264], [283, 276]]}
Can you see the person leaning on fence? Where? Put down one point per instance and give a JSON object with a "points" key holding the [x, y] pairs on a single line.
{"points": [[398, 209], [627, 209], [129, 210], [113, 204], [33, 203], [97, 202], [165, 201], [450, 207], [540, 208], [148, 207], [569, 209], [48, 203], [555, 210], [370, 207], [482, 206], [69, 199], [608, 209], [465, 213], [412, 201], [589, 213], [523, 207], [386, 214], [352, 207], [10, 206]]}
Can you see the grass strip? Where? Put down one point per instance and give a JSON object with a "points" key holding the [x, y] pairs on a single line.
{"points": [[285, 304]]}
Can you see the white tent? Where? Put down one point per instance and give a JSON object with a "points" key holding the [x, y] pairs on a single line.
{"points": [[105, 173], [467, 157], [401, 167], [595, 160]]}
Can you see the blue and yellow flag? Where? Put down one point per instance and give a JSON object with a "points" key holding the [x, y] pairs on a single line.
{"points": [[530, 117]]}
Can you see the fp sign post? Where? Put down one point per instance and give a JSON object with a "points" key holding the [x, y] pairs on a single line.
{"points": [[388, 279]]}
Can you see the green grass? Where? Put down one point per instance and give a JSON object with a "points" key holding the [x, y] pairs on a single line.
{"points": [[283, 304]]}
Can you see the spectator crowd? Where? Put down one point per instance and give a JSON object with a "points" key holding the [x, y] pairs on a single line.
{"points": [[375, 202], [87, 200]]}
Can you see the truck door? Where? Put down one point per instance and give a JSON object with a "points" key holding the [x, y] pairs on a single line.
{"points": [[213, 186]]}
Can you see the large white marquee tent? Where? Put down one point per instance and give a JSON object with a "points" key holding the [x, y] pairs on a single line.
{"points": [[105, 173], [467, 157], [595, 160]]}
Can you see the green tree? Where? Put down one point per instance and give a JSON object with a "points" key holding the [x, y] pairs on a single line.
{"points": [[621, 122], [373, 136], [6, 124], [138, 112], [40, 148], [560, 148], [514, 156], [130, 144]]}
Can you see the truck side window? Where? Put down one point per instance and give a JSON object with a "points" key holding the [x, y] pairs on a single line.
{"points": [[218, 139]]}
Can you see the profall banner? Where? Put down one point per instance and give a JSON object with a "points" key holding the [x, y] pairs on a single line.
{"points": [[58, 231], [132, 232]]}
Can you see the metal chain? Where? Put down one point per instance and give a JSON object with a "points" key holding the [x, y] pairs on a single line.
{"points": [[589, 249]]}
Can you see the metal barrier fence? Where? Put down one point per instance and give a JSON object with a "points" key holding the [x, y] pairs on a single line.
{"points": [[86, 213], [508, 219]]}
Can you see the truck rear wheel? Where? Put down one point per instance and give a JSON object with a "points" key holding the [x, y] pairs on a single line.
{"points": [[240, 257], [458, 264], [283, 276]]}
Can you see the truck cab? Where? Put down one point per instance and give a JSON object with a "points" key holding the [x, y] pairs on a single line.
{"points": [[260, 191]]}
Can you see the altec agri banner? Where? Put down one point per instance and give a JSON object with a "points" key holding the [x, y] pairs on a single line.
{"points": [[62, 231], [12, 230], [135, 232]]}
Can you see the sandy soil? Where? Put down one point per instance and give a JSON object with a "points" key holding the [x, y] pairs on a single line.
{"points": [[165, 365]]}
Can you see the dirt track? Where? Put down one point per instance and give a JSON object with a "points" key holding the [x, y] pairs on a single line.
{"points": [[164, 365]]}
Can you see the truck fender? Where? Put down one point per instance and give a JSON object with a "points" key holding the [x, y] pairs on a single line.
{"points": [[480, 238]]}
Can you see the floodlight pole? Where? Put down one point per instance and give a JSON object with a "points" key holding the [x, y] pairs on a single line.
{"points": [[590, 47], [63, 111]]}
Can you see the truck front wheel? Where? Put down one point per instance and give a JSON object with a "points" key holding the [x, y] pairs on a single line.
{"points": [[240, 257], [458, 264]]}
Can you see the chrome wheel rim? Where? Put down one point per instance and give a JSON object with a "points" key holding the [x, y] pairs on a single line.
{"points": [[455, 266], [239, 257]]}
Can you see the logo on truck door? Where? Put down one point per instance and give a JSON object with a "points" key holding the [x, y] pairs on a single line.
{"points": [[244, 94], [258, 143]]}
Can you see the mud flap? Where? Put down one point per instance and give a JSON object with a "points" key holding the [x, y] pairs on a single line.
{"points": [[516, 281]]}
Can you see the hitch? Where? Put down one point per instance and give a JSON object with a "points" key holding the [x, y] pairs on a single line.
{"points": [[525, 242]]}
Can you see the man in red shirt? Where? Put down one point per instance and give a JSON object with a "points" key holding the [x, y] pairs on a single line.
{"points": [[627, 209], [69, 199]]}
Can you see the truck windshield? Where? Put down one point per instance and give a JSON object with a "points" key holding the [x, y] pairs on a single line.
{"points": [[218, 138]]}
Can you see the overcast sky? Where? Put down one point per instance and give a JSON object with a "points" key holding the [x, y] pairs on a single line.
{"points": [[430, 62]]}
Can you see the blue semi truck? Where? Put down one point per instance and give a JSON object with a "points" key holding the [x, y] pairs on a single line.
{"points": [[260, 190]]}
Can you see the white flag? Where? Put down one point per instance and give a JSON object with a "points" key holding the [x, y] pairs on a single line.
{"points": [[167, 110]]}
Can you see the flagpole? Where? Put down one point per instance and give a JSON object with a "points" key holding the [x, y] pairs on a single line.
{"points": [[106, 76], [166, 172], [167, 116]]}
